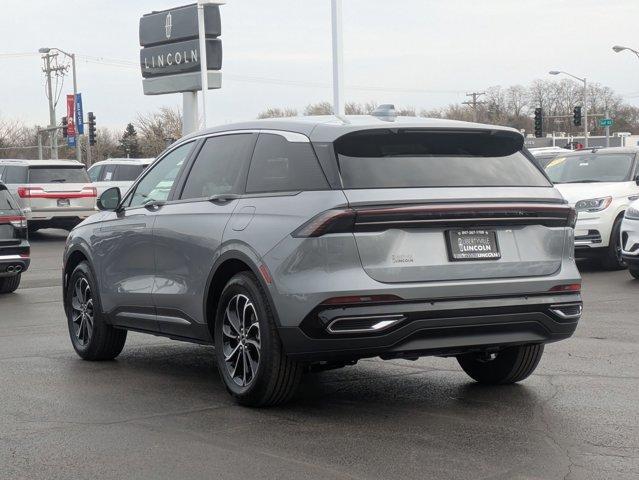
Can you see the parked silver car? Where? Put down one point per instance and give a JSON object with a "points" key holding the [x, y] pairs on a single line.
{"points": [[52, 193], [299, 243], [117, 172]]}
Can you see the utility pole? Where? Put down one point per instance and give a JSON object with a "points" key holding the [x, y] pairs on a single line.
{"points": [[338, 57], [48, 70], [473, 103]]}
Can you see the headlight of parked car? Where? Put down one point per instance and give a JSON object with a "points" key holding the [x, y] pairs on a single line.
{"points": [[632, 213], [593, 204]]}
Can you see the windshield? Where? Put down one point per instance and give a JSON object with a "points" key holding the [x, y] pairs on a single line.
{"points": [[590, 168], [388, 159], [58, 175]]}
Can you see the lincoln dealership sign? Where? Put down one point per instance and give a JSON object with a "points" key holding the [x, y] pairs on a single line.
{"points": [[170, 55]]}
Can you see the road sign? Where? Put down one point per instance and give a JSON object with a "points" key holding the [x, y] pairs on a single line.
{"points": [[605, 122]]}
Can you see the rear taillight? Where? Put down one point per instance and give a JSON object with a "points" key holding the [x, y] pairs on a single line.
{"points": [[330, 221], [38, 192], [568, 287], [18, 221]]}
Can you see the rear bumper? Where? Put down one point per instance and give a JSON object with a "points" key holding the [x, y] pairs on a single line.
{"points": [[13, 264], [68, 221], [439, 327]]}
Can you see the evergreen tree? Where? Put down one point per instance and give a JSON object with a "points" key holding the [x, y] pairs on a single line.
{"points": [[129, 146]]}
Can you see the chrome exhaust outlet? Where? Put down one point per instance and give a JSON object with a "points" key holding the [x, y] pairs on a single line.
{"points": [[364, 324], [568, 311], [10, 269], [18, 268]]}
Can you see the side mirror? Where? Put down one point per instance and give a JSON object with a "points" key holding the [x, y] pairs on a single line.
{"points": [[110, 199]]}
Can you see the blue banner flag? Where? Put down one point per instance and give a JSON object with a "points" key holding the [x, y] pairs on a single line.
{"points": [[79, 123]]}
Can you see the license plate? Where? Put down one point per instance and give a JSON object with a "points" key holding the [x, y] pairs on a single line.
{"points": [[472, 244], [63, 202]]}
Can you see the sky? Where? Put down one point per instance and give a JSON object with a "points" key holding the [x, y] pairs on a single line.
{"points": [[420, 53]]}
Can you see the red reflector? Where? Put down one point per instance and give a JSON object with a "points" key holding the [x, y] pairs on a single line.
{"points": [[361, 299], [570, 287], [266, 275]]}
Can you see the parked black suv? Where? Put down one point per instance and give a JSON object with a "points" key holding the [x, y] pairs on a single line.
{"points": [[14, 246]]}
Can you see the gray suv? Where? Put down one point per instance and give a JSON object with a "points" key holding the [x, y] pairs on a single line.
{"points": [[302, 244]]}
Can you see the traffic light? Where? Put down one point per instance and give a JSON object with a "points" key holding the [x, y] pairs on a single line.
{"points": [[91, 119], [576, 116], [538, 118], [65, 127]]}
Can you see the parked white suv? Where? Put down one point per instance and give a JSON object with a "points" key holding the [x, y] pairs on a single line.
{"points": [[52, 193], [600, 184], [117, 172]]}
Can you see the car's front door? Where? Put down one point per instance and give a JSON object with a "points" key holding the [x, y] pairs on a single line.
{"points": [[188, 231], [125, 257]]}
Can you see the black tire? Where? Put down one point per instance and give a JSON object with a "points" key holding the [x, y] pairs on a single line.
{"points": [[10, 284], [101, 341], [276, 377], [509, 365], [634, 271], [611, 258]]}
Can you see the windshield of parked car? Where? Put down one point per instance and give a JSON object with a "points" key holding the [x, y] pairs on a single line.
{"points": [[420, 158], [591, 168], [58, 175]]}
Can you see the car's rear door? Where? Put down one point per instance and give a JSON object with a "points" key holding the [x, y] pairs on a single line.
{"points": [[437, 206], [125, 260], [189, 228]]}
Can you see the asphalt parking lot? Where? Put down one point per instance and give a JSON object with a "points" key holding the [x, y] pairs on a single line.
{"points": [[160, 410]]}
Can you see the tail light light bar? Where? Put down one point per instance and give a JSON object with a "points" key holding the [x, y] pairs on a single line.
{"points": [[380, 218], [38, 192], [569, 287], [18, 221]]}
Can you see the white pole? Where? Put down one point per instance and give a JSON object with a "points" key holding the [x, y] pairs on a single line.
{"points": [[203, 61], [338, 75], [189, 112]]}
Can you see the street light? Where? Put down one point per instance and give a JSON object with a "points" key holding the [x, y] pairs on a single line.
{"points": [[45, 50], [621, 48], [557, 72]]}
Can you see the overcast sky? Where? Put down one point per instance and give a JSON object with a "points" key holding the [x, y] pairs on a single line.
{"points": [[422, 53]]}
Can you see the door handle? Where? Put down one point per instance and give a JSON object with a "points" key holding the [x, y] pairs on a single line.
{"points": [[153, 206], [223, 198]]}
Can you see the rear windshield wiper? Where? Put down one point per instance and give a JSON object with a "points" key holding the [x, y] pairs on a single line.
{"points": [[58, 180]]}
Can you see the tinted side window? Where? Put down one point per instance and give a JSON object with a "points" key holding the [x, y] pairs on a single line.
{"points": [[94, 173], [282, 166], [219, 166], [15, 174], [157, 183], [6, 201], [127, 173]]}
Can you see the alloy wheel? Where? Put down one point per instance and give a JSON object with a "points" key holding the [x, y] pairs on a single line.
{"points": [[82, 311], [241, 340]]}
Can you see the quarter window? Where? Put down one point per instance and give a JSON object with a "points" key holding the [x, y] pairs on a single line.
{"points": [[282, 166], [94, 173], [219, 166], [157, 183]]}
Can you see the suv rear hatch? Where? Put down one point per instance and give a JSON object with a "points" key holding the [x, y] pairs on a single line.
{"points": [[12, 222], [58, 188], [437, 205]]}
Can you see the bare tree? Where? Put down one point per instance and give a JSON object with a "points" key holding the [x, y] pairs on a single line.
{"points": [[155, 129], [275, 112], [321, 108]]}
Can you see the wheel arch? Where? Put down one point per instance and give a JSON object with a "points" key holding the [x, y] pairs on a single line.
{"points": [[225, 267]]}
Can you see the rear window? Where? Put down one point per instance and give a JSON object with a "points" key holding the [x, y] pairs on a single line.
{"points": [[58, 175], [6, 202], [127, 173], [418, 158]]}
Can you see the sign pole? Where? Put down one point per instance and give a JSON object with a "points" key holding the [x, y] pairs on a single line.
{"points": [[203, 60], [338, 60], [189, 112], [78, 146], [607, 129]]}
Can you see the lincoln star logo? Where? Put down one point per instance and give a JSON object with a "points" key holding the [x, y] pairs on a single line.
{"points": [[167, 25]]}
